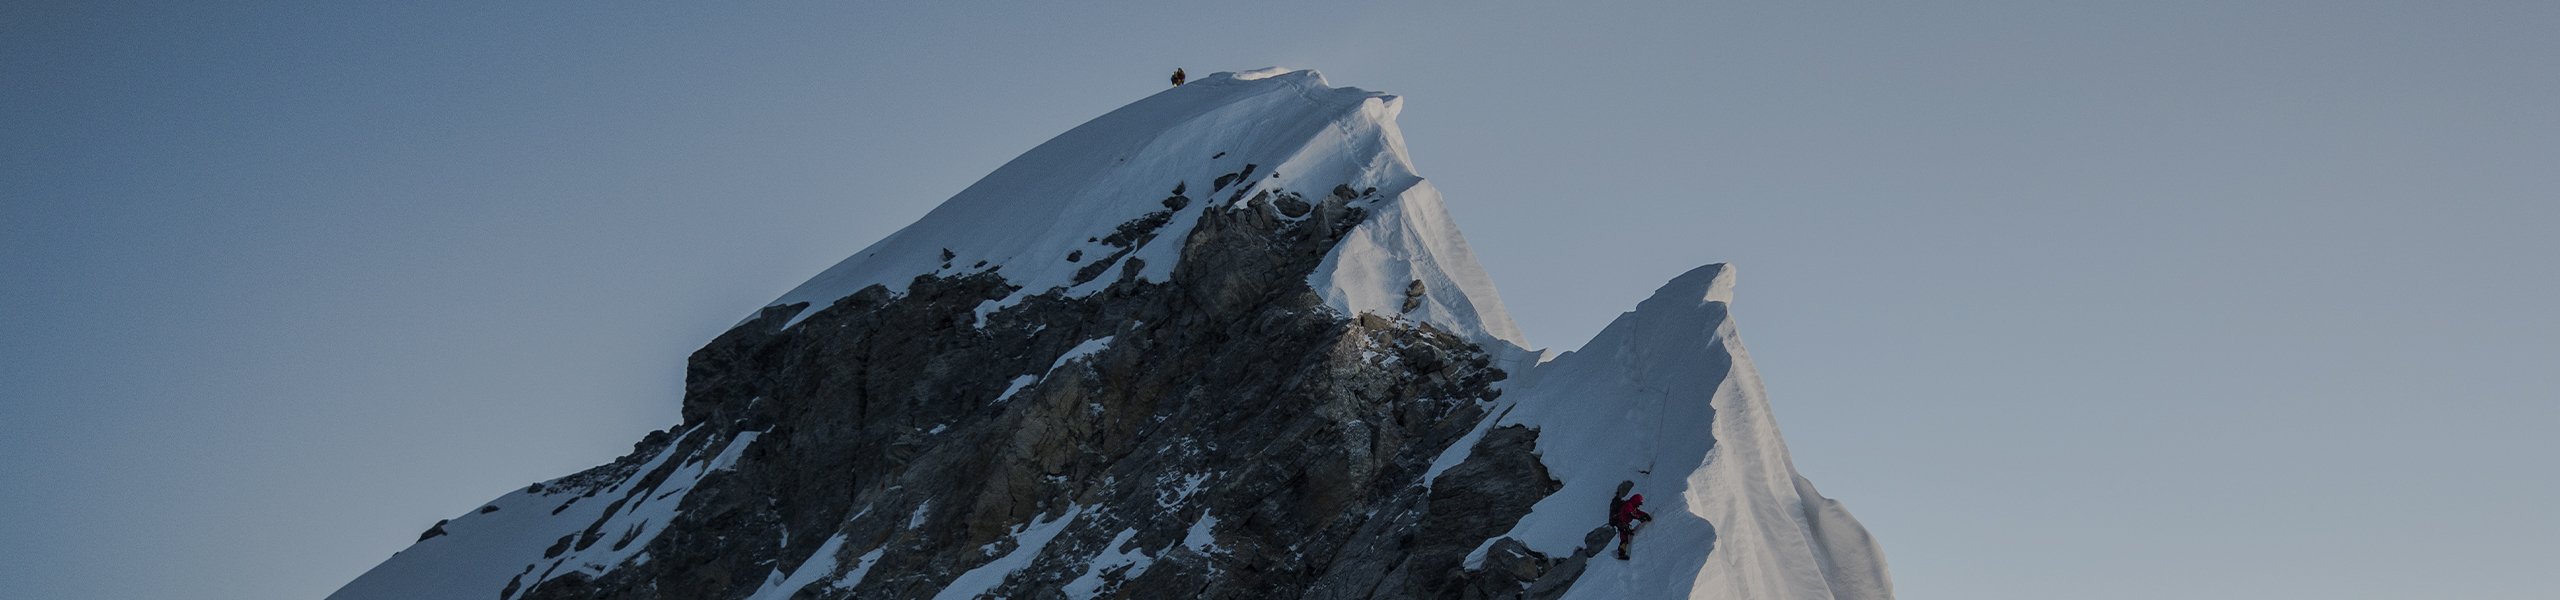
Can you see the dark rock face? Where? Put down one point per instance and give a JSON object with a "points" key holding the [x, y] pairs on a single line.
{"points": [[1476, 501], [1236, 436]]}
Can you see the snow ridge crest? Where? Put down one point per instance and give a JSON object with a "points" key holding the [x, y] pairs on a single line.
{"points": [[1044, 217]]}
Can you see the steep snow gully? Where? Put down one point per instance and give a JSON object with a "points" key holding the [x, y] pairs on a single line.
{"points": [[1104, 250]]}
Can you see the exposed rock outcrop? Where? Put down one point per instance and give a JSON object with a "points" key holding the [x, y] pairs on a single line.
{"points": [[1227, 402]]}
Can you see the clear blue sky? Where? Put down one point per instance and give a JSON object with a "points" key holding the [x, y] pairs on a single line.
{"points": [[2160, 300]]}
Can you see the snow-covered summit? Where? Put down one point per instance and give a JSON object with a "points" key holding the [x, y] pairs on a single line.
{"points": [[1044, 219]]}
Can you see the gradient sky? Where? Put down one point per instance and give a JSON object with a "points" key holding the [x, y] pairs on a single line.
{"points": [[2195, 300]]}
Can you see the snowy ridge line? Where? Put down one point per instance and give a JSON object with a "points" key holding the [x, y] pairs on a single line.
{"points": [[531, 535], [1044, 216]]}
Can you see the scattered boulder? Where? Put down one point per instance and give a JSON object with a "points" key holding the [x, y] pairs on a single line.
{"points": [[1231, 178], [1292, 206], [1510, 559], [560, 547], [435, 531]]}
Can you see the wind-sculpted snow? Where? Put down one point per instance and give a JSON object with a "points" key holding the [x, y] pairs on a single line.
{"points": [[1223, 138]]}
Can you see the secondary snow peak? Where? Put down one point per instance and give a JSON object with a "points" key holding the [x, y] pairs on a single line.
{"points": [[1710, 283], [1665, 399]]}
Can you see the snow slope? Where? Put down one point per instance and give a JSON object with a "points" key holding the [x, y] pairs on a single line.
{"points": [[1294, 131], [1666, 397], [516, 538]]}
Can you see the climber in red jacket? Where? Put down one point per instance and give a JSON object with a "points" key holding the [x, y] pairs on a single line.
{"points": [[1623, 515]]}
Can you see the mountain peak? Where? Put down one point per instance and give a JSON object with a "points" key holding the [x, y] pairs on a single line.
{"points": [[1220, 343], [1047, 220]]}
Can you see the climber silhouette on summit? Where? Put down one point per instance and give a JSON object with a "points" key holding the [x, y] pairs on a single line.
{"points": [[1623, 514], [1177, 77]]}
